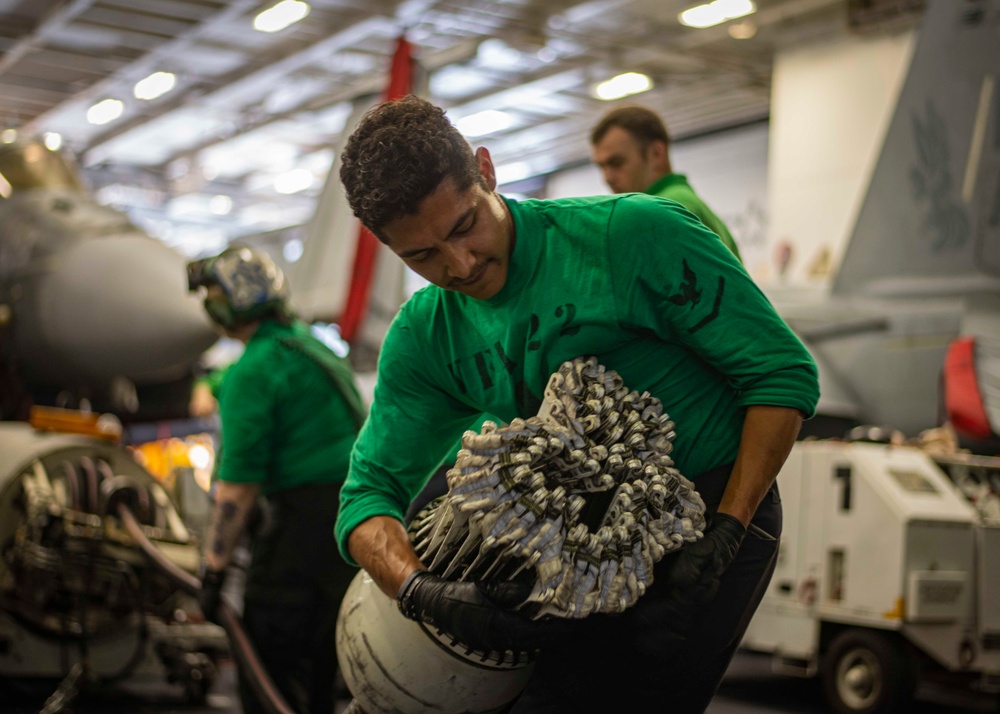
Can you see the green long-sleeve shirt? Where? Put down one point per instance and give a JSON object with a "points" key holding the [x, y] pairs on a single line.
{"points": [[676, 188], [637, 281], [284, 423]]}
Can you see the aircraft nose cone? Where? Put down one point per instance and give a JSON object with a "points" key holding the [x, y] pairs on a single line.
{"points": [[119, 305]]}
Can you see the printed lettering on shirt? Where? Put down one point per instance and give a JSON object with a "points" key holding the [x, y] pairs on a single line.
{"points": [[527, 402], [484, 373], [533, 325], [508, 364], [565, 312], [486, 364], [567, 327]]}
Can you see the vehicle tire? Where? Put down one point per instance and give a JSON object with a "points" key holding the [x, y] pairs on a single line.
{"points": [[868, 672]]}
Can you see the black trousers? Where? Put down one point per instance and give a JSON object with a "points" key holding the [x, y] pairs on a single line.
{"points": [[295, 583], [622, 663]]}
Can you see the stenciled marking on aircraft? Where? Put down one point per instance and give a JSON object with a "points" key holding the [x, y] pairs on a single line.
{"points": [[933, 185]]}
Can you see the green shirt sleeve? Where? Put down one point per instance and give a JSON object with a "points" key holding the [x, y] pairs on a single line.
{"points": [[410, 428], [697, 294], [248, 428], [715, 224], [676, 188]]}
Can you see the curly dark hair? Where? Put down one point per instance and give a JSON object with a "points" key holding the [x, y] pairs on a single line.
{"points": [[638, 121], [398, 155]]}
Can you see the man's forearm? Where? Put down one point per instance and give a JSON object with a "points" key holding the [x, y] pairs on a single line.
{"points": [[381, 546], [768, 435], [233, 504]]}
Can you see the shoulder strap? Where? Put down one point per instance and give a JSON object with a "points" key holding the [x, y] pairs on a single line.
{"points": [[334, 367]]}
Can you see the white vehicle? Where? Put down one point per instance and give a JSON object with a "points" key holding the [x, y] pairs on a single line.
{"points": [[889, 572]]}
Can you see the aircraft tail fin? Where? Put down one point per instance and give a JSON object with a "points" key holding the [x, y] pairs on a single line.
{"points": [[930, 222]]}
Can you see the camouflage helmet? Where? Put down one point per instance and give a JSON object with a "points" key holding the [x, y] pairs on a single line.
{"points": [[252, 283]]}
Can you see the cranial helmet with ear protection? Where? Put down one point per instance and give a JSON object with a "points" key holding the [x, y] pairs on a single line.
{"points": [[251, 282]]}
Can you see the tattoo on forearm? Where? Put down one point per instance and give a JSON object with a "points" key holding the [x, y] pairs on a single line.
{"points": [[225, 530], [227, 510]]}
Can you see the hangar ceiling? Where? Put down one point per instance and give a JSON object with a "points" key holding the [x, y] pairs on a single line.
{"points": [[199, 164]]}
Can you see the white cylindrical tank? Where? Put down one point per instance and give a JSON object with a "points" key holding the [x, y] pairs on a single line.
{"points": [[392, 664]]}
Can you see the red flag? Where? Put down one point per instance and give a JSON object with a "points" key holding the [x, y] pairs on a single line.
{"points": [[400, 84]]}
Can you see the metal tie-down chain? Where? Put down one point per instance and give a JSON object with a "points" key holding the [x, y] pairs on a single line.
{"points": [[584, 497]]}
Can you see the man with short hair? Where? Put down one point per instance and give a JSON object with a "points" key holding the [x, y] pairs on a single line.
{"points": [[518, 288], [290, 411], [632, 148]]}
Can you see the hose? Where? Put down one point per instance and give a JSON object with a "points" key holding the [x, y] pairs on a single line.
{"points": [[246, 656], [67, 691]]}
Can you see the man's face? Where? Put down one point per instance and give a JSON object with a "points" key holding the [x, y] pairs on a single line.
{"points": [[626, 166], [458, 240]]}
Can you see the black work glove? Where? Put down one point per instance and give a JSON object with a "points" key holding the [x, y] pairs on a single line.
{"points": [[476, 614], [210, 594], [691, 583], [697, 570]]}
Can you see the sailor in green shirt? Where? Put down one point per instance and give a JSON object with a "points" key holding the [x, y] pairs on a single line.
{"points": [[517, 288], [290, 413], [631, 147]]}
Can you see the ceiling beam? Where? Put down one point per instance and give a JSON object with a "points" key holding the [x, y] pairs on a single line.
{"points": [[369, 84], [149, 60], [60, 17]]}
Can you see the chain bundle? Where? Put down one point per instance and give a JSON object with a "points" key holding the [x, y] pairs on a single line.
{"points": [[584, 497]]}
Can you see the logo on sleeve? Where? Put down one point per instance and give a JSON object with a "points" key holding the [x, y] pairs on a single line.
{"points": [[690, 294]]}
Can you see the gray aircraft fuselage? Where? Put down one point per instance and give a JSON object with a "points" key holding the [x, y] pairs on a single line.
{"points": [[86, 297]]}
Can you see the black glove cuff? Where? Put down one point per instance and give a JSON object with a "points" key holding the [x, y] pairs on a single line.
{"points": [[405, 599], [730, 528], [210, 577], [732, 523]]}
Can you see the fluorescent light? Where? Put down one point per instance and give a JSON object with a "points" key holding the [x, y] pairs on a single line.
{"points": [[220, 205], [105, 111], [5, 187], [509, 173], [716, 12], [53, 140], [292, 250], [293, 181], [743, 30], [155, 85], [497, 54], [280, 16], [485, 122], [454, 81], [8, 136], [622, 86]]}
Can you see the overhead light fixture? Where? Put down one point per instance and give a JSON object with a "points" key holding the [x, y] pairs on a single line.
{"points": [[8, 136], [717, 12], [497, 54], [293, 181], [52, 140], [280, 16], [105, 111], [509, 173], [292, 250], [155, 85], [743, 30], [220, 204], [623, 85], [483, 123]]}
